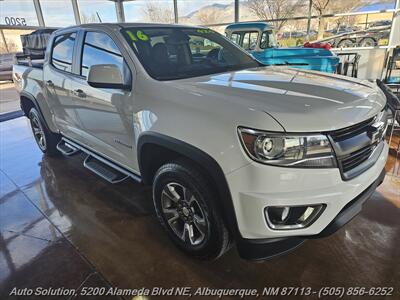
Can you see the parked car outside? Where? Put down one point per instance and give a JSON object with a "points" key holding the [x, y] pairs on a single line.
{"points": [[360, 38], [381, 23], [293, 34], [342, 29]]}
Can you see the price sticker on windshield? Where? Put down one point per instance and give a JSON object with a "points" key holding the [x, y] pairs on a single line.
{"points": [[140, 35]]}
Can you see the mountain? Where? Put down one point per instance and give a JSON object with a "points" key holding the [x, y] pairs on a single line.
{"points": [[217, 6], [217, 13]]}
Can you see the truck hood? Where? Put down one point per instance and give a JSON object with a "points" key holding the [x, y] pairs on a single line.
{"points": [[301, 101]]}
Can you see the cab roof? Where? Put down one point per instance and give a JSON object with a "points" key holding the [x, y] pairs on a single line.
{"points": [[128, 25]]}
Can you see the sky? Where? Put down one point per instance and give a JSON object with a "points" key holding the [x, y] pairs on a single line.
{"points": [[59, 13]]}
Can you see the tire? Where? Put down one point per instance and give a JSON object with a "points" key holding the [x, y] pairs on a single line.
{"points": [[185, 203], [368, 42], [346, 43], [45, 139]]}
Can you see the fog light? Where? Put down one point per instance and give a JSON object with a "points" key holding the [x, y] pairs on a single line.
{"points": [[292, 217], [278, 215]]}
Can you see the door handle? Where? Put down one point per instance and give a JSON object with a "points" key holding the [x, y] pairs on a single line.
{"points": [[49, 83], [79, 93]]}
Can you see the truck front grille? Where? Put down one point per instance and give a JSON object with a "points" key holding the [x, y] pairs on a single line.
{"points": [[349, 132], [355, 146], [355, 158]]}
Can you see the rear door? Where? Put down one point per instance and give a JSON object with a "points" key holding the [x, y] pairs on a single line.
{"points": [[105, 115], [57, 74]]}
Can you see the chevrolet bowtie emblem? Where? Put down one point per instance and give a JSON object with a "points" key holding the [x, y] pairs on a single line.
{"points": [[376, 131]]}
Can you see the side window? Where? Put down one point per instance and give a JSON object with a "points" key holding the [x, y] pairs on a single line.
{"points": [[98, 49], [235, 37], [264, 43], [250, 40], [63, 48], [267, 40]]}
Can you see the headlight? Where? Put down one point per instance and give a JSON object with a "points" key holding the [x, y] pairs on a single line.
{"points": [[291, 150]]}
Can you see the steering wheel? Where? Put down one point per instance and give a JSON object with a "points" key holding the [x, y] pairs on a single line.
{"points": [[220, 56]]}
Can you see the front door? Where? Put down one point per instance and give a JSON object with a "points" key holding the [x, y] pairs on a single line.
{"points": [[105, 115]]}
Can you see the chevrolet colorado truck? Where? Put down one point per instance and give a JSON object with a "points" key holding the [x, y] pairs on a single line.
{"points": [[236, 152]]}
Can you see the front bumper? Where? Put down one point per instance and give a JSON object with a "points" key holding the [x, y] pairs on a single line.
{"points": [[260, 249], [255, 187]]}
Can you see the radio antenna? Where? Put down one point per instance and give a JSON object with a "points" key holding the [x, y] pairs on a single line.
{"points": [[98, 16]]}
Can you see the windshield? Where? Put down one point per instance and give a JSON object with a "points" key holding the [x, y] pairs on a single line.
{"points": [[173, 53]]}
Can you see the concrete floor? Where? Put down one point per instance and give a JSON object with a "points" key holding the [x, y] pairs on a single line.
{"points": [[62, 226]]}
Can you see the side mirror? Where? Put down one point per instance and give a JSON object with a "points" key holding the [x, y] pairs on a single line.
{"points": [[106, 76]]}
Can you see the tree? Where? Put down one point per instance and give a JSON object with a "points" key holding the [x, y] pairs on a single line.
{"points": [[331, 6], [274, 9], [158, 14], [348, 20], [321, 6]]}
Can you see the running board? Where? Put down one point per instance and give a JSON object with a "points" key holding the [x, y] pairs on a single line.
{"points": [[105, 171], [66, 149], [93, 161]]}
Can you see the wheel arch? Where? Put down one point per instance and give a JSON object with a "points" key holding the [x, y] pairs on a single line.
{"points": [[155, 149], [27, 101]]}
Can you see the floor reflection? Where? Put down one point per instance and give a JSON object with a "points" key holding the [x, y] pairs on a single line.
{"points": [[55, 212]]}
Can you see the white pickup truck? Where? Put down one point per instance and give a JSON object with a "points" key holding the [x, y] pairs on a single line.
{"points": [[265, 157]]}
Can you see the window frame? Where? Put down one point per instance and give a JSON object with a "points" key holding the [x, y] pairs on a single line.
{"points": [[269, 41], [73, 51], [80, 60], [239, 34], [250, 32], [79, 55]]}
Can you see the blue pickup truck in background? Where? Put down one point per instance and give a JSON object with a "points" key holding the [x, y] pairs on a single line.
{"points": [[259, 39]]}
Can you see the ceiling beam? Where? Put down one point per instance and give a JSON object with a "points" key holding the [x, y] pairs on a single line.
{"points": [[119, 8], [77, 13], [237, 11], [394, 38], [176, 16], [39, 13]]}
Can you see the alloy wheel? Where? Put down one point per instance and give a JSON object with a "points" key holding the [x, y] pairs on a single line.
{"points": [[184, 214], [38, 131]]}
